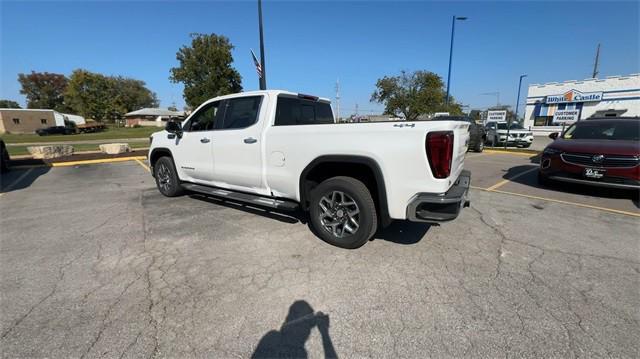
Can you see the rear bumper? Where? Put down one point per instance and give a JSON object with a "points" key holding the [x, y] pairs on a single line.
{"points": [[440, 207]]}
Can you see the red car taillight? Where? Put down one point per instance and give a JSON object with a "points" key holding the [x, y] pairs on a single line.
{"points": [[439, 147]]}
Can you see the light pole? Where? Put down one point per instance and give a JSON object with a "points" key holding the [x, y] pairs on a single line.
{"points": [[517, 105], [263, 78], [453, 30]]}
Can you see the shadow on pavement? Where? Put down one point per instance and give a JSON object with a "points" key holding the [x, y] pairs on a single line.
{"points": [[288, 342], [531, 179], [20, 178], [403, 232]]}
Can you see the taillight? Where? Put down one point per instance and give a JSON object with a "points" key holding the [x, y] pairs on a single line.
{"points": [[439, 147]]}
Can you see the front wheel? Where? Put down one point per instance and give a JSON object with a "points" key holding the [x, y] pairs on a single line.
{"points": [[480, 146], [343, 212], [166, 176]]}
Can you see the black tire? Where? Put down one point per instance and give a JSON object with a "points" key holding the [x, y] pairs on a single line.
{"points": [[166, 176], [526, 146], [366, 217], [479, 146]]}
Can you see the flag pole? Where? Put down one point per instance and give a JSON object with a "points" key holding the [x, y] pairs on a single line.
{"points": [[263, 78]]}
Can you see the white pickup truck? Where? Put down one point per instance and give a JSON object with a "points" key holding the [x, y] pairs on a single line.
{"points": [[284, 150]]}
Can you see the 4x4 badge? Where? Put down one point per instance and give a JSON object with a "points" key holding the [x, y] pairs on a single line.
{"points": [[404, 125]]}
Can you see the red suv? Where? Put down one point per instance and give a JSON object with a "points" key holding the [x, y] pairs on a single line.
{"points": [[601, 152]]}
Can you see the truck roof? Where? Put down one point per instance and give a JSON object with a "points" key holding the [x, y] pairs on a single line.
{"points": [[262, 92]]}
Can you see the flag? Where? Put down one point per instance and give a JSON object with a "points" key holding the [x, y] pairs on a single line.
{"points": [[257, 63]]}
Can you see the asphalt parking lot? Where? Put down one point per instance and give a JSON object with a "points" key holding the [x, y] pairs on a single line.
{"points": [[94, 262]]}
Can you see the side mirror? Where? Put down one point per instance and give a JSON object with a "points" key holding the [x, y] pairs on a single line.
{"points": [[174, 127], [553, 135]]}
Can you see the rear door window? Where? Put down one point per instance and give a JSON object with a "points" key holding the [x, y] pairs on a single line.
{"points": [[298, 111], [241, 112]]}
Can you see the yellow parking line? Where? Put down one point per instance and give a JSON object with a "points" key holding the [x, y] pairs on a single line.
{"points": [[91, 162], [503, 182], [143, 165], [577, 204]]}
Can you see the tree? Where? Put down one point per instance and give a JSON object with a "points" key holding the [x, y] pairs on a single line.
{"points": [[413, 94], [103, 98], [44, 90], [9, 104], [205, 69]]}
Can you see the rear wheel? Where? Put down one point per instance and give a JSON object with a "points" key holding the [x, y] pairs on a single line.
{"points": [[167, 179], [479, 146], [343, 212]]}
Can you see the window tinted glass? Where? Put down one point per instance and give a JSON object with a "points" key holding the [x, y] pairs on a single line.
{"points": [[622, 130], [241, 112], [296, 111], [502, 126], [204, 119]]}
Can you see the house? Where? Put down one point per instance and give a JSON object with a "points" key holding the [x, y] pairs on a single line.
{"points": [[18, 120], [151, 117]]}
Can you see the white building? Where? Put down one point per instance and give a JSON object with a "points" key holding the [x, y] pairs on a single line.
{"points": [[551, 105]]}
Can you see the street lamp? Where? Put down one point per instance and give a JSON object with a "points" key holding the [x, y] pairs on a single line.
{"points": [[453, 30], [517, 105]]}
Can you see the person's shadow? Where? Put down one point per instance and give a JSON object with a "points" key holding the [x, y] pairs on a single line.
{"points": [[289, 341]]}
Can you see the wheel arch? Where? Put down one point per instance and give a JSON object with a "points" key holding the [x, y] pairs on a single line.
{"points": [[362, 168], [156, 153]]}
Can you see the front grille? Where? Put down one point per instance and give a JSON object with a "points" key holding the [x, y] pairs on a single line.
{"points": [[587, 159]]}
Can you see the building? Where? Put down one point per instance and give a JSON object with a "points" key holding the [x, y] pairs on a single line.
{"points": [[151, 117], [18, 120], [552, 105]]}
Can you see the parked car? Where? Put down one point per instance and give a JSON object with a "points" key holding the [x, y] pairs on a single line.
{"points": [[477, 132], [518, 136], [601, 152], [4, 157], [56, 130], [284, 150]]}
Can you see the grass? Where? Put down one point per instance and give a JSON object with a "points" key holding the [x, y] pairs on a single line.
{"points": [[108, 134], [22, 150]]}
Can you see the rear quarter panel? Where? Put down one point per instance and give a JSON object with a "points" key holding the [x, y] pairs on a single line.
{"points": [[397, 147]]}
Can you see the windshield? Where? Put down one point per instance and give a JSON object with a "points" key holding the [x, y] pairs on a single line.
{"points": [[502, 126], [628, 130], [515, 126]]}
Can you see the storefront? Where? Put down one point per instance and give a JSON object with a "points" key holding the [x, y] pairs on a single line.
{"points": [[552, 105]]}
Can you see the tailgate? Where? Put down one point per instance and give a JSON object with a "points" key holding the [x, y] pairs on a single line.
{"points": [[460, 145]]}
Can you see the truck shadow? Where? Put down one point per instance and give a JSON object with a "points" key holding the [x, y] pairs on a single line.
{"points": [[403, 232], [400, 232], [21, 178]]}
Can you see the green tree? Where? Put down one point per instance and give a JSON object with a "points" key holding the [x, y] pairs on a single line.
{"points": [[205, 69], [44, 90], [104, 98], [9, 104], [414, 94]]}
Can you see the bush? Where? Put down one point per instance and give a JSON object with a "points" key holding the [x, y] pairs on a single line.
{"points": [[137, 125]]}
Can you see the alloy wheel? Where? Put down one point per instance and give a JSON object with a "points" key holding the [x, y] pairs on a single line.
{"points": [[339, 214], [164, 177]]}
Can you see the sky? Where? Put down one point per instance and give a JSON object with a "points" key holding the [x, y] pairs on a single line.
{"points": [[309, 45]]}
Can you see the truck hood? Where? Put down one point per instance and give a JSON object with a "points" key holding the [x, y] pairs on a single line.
{"points": [[611, 147]]}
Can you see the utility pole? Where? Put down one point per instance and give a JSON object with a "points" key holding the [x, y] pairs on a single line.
{"points": [[338, 100], [595, 64], [263, 78], [356, 109]]}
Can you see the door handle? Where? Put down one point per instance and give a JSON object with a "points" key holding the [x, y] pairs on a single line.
{"points": [[205, 140], [250, 140]]}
